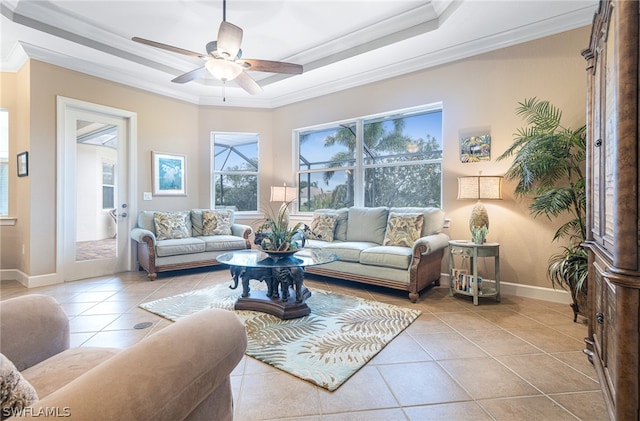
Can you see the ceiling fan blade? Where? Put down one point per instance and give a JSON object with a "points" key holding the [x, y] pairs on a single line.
{"points": [[229, 39], [248, 84], [168, 47], [270, 66], [192, 75]]}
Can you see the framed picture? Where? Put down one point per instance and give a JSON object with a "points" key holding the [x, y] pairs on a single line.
{"points": [[23, 164], [475, 148], [169, 174]]}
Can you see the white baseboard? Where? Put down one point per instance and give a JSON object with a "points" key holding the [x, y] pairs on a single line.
{"points": [[528, 291], [14, 275], [30, 281]]}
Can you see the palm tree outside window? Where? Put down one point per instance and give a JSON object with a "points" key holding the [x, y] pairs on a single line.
{"points": [[386, 160]]}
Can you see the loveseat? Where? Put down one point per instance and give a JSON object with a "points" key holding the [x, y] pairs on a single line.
{"points": [[181, 372], [398, 247], [188, 239]]}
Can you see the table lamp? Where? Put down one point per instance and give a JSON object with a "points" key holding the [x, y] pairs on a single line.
{"points": [[479, 187], [285, 195]]}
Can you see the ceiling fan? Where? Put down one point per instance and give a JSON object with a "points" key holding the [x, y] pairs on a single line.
{"points": [[224, 59]]}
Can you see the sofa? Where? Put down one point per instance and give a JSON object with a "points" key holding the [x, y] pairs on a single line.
{"points": [[186, 239], [397, 247], [181, 372]]}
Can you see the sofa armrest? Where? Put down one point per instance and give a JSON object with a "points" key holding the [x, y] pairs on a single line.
{"points": [[430, 243], [163, 377], [142, 235], [240, 230], [33, 328], [244, 231], [146, 250]]}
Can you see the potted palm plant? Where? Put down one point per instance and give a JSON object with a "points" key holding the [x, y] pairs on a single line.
{"points": [[275, 236], [548, 163]]}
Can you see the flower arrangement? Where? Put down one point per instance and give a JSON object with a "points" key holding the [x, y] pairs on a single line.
{"points": [[274, 233]]}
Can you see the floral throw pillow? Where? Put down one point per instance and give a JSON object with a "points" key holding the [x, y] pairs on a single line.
{"points": [[322, 227], [172, 225], [15, 392], [403, 229], [216, 222]]}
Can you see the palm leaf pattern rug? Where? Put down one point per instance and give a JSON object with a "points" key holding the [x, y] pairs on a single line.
{"points": [[341, 334]]}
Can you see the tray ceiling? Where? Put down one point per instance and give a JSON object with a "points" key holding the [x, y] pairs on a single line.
{"points": [[341, 44]]}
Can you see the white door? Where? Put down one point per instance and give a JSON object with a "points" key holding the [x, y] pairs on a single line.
{"points": [[96, 192]]}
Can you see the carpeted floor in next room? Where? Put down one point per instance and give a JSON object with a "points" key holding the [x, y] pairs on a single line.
{"points": [[520, 359]]}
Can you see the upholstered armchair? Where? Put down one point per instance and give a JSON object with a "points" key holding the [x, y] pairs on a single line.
{"points": [[182, 372]]}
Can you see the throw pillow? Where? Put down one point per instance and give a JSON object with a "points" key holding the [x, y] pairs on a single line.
{"points": [[367, 224], [342, 214], [322, 227], [216, 222], [403, 229], [15, 392], [433, 218], [172, 225]]}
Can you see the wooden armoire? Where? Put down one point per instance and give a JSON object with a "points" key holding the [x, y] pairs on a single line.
{"points": [[613, 342]]}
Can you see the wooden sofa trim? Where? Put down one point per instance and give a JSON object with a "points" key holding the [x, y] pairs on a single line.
{"points": [[424, 270], [147, 257]]}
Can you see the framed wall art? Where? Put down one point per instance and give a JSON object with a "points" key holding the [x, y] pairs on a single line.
{"points": [[475, 148], [23, 164], [169, 174]]}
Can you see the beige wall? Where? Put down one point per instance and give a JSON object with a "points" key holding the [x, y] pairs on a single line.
{"points": [[164, 124], [477, 93], [9, 234], [14, 95], [248, 120]]}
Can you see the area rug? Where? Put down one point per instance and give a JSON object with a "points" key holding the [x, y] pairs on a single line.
{"points": [[339, 337]]}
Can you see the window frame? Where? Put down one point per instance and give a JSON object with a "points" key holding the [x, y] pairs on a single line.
{"points": [[213, 173], [360, 166], [107, 185]]}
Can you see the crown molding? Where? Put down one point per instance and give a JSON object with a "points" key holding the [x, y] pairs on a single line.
{"points": [[487, 44], [211, 92], [16, 59]]}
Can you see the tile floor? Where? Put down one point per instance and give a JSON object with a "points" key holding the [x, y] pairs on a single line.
{"points": [[520, 359]]}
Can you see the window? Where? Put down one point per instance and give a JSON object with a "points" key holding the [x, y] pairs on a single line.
{"points": [[4, 162], [108, 185], [387, 160], [234, 178], [326, 167]]}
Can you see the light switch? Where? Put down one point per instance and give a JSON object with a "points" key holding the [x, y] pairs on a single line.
{"points": [[146, 195]]}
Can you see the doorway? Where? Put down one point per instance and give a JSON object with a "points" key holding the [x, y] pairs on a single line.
{"points": [[96, 150]]}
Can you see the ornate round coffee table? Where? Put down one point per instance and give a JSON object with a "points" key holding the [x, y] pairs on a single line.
{"points": [[280, 274]]}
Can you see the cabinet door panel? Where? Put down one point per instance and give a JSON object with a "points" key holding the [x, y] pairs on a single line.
{"points": [[598, 289], [613, 215], [610, 336], [609, 144]]}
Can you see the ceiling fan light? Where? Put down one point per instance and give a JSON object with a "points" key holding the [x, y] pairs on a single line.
{"points": [[223, 69]]}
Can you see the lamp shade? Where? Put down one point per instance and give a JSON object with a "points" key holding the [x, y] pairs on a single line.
{"points": [[480, 187], [283, 193]]}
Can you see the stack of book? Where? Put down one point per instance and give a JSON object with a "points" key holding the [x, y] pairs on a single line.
{"points": [[462, 281]]}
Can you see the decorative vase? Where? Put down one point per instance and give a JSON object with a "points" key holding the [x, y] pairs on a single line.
{"points": [[479, 234], [479, 217]]}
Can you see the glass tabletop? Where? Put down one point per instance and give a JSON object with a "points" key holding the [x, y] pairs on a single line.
{"points": [[258, 258]]}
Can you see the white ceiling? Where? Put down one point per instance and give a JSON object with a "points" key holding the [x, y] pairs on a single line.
{"points": [[340, 43]]}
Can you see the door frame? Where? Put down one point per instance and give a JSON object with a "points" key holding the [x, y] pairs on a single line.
{"points": [[64, 106]]}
